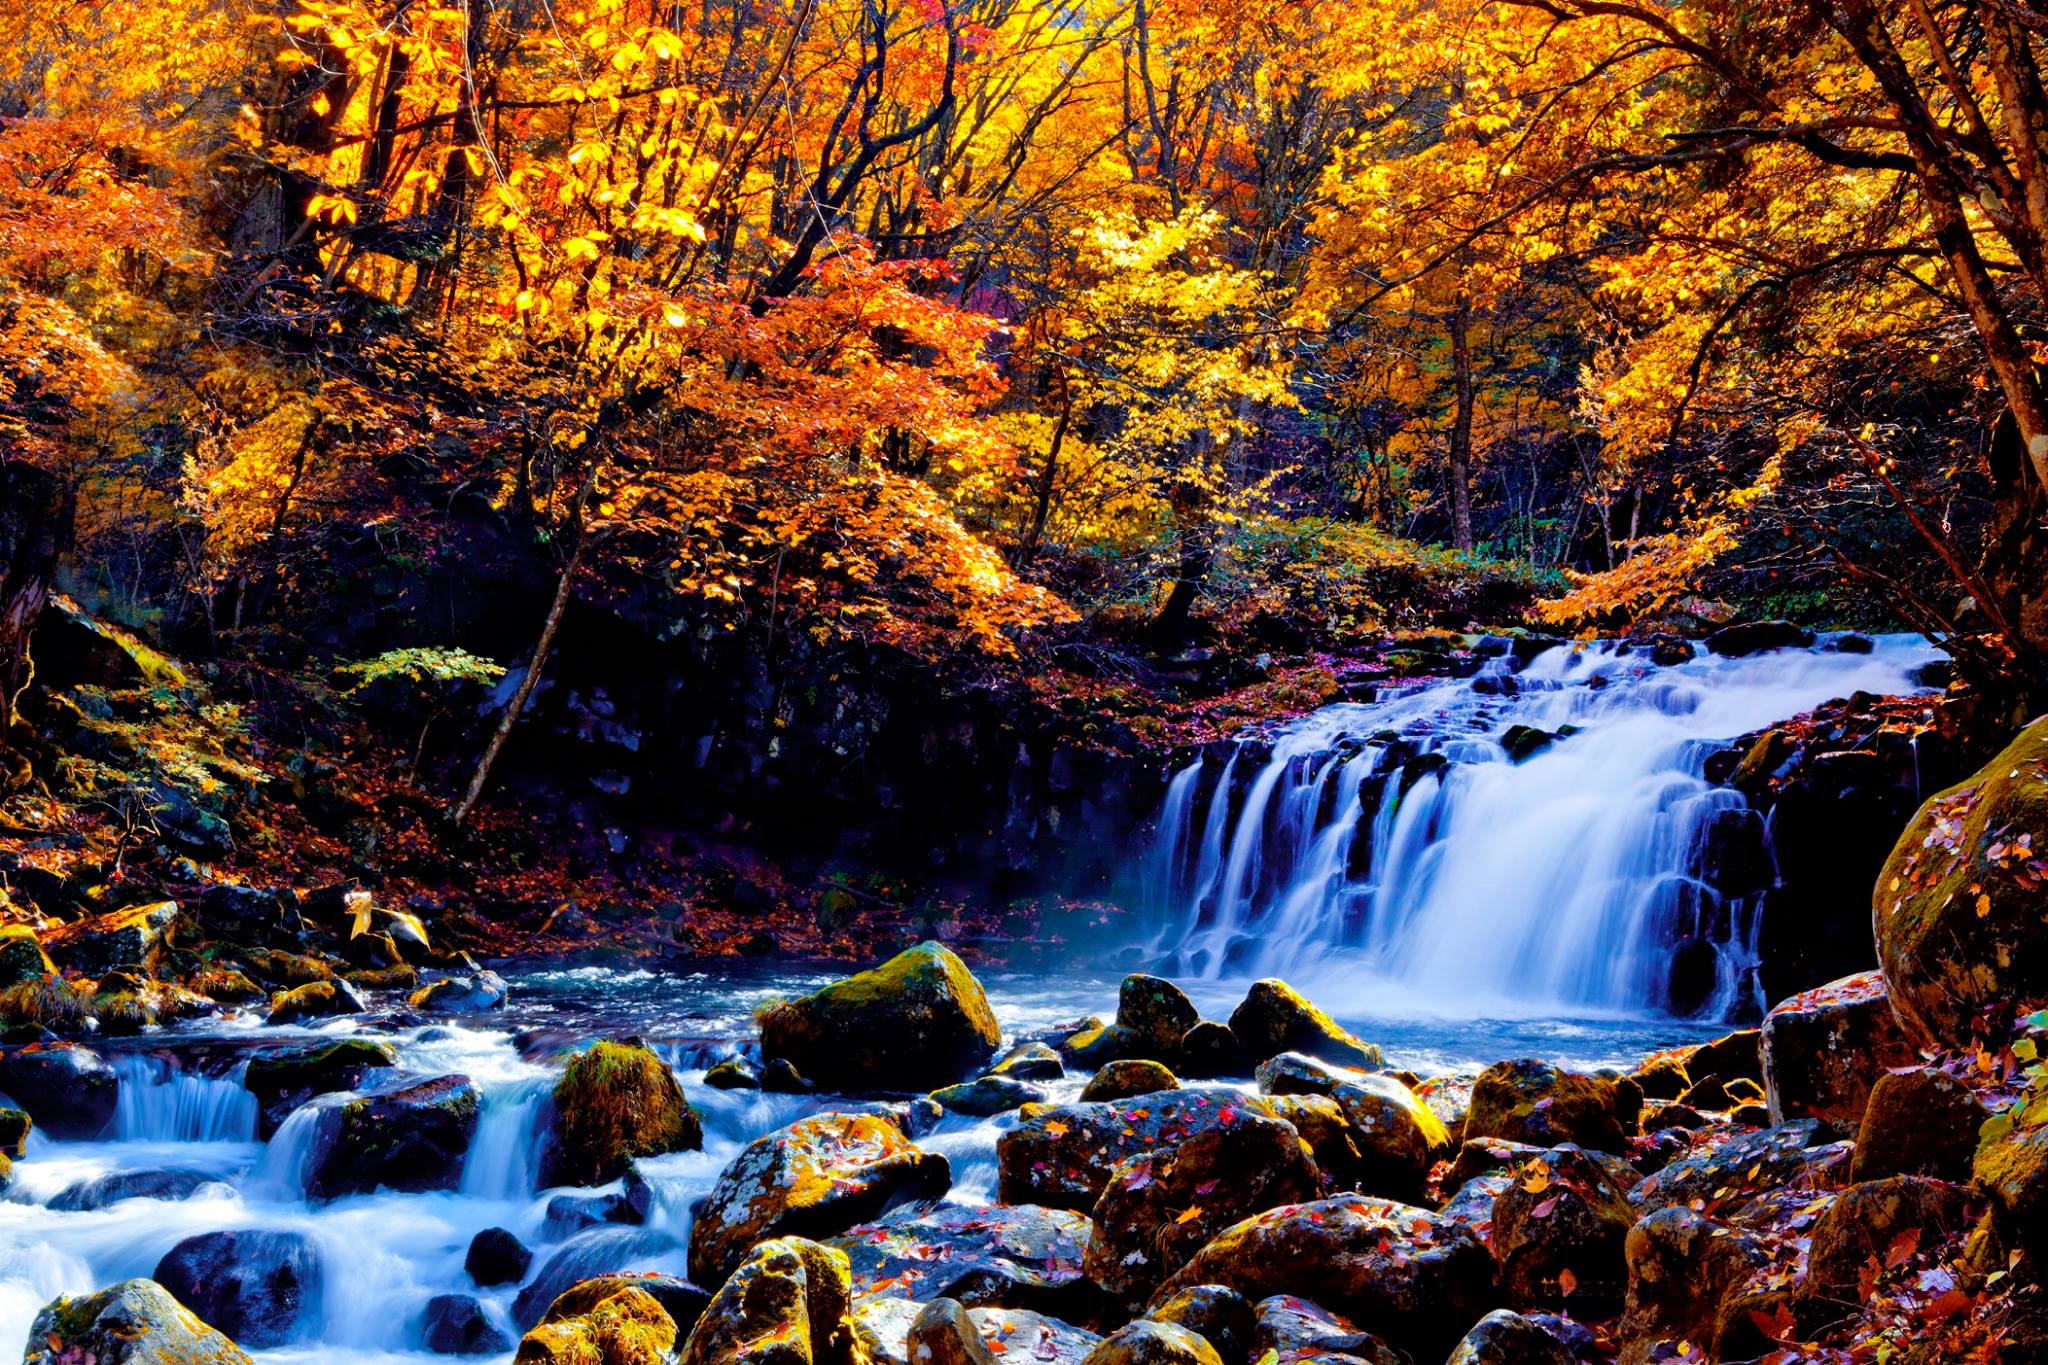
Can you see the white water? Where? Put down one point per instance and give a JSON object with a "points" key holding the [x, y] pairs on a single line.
{"points": [[1558, 885]]}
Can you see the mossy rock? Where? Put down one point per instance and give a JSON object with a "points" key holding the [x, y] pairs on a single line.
{"points": [[1146, 1342], [1398, 1137], [1918, 1122], [118, 938], [1534, 1102], [47, 1001], [123, 1014], [21, 956], [917, 1022], [2011, 1168], [789, 1302], [136, 1322], [225, 984], [1158, 1012], [1274, 1017], [615, 1102], [281, 969], [411, 1140], [316, 1000], [1096, 1044], [283, 1082], [1957, 909], [1121, 1080], [15, 1126], [628, 1328]]}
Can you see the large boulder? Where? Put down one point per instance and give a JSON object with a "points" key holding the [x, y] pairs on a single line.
{"points": [[1507, 1338], [1534, 1102], [1742, 1165], [257, 1285], [1825, 1049], [1398, 1137], [917, 1022], [411, 1139], [1274, 1017], [284, 1081], [133, 937], [788, 1303], [136, 1322], [682, 1301], [21, 956], [2011, 1169], [1062, 1154], [1133, 1076], [1918, 1122], [1157, 1012], [1161, 1207], [629, 1327], [1145, 1342], [615, 1102], [68, 1090], [1293, 1331], [457, 1325], [1957, 908], [1860, 1227], [817, 1177], [998, 1256], [1683, 1268], [1418, 1279], [1559, 1231]]}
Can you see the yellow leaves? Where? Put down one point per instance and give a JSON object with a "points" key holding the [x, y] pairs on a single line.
{"points": [[1189, 1214], [331, 208]]}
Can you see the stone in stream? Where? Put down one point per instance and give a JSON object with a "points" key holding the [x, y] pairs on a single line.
{"points": [[21, 956], [1754, 637], [780, 1077], [15, 1126], [1145, 1342], [1397, 1136], [882, 1328], [590, 1254], [1918, 1122], [411, 1139], [1417, 1277], [1030, 1062], [1297, 1331], [316, 1000], [682, 1301], [916, 1022], [1222, 1317], [100, 1191], [1062, 1154], [1823, 1051], [615, 1102], [987, 1095], [994, 1256], [1559, 1234], [787, 1303], [1210, 1051], [943, 1334], [1134, 1076], [568, 1214], [1095, 1045], [69, 1091], [284, 1081], [817, 1177], [1273, 1018], [1507, 1338], [1534, 1102], [732, 1074], [1159, 1208], [120, 938], [628, 1327], [475, 993], [1957, 908], [496, 1256], [136, 1322], [256, 1285], [1156, 1012], [456, 1325]]}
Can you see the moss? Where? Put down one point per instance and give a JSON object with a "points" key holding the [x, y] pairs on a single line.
{"points": [[316, 1070], [21, 957], [918, 1021], [49, 1001], [224, 984], [15, 1126], [628, 1328], [400, 978], [123, 1013], [614, 1102]]}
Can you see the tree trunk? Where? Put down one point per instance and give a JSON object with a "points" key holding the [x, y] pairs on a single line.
{"points": [[1048, 476], [37, 512], [1197, 554], [1461, 425]]}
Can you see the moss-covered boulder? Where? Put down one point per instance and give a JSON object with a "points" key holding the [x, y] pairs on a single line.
{"points": [[412, 1139], [136, 1322], [1062, 1154], [917, 1022], [1823, 1051], [817, 1177], [1158, 1012], [1865, 1220], [1683, 1268], [316, 1000], [1559, 1232], [1222, 1317], [131, 937], [788, 1303], [1133, 1076], [1096, 1044], [1322, 1123], [1274, 1017], [1534, 1102], [1398, 1137], [1030, 1062], [2011, 1169], [283, 970], [987, 1095], [1957, 908], [1159, 1208], [614, 1102], [1741, 1164], [998, 1255], [1146, 1342], [284, 1081], [68, 1090], [21, 956], [628, 1327], [15, 1126], [1918, 1122], [1419, 1279]]}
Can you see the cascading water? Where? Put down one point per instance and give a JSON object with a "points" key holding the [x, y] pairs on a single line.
{"points": [[1394, 855]]}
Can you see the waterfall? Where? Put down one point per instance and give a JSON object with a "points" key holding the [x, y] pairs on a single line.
{"points": [[160, 1102], [1397, 851]]}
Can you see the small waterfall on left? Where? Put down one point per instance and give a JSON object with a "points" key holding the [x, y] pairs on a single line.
{"points": [[162, 1102]]}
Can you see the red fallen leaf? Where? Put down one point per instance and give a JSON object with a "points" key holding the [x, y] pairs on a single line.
{"points": [[1543, 1209], [1777, 1325], [1948, 1305], [1567, 1282], [1902, 1248]]}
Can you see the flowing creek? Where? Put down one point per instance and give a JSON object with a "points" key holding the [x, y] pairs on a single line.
{"points": [[1521, 908]]}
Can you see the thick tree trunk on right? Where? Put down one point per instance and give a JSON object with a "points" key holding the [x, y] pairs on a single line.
{"points": [[37, 513]]}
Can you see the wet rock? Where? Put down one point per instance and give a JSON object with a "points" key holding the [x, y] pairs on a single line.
{"points": [[1918, 1122], [1294, 1331], [103, 1190], [1682, 1268], [496, 1256], [282, 969], [778, 1077], [258, 1286], [817, 1177], [1732, 1056], [1096, 1044], [1957, 907], [15, 1126], [68, 1090], [589, 1255], [225, 986], [1744, 1164], [1291, 1073], [316, 1000], [1145, 1342], [1158, 1012], [1417, 1277], [917, 1022], [1322, 1123], [230, 912], [136, 1322], [1488, 1156], [615, 1102], [1506, 1338], [629, 1327], [475, 993], [1861, 1225], [986, 1095], [1222, 1317], [1823, 1051], [21, 957], [996, 1256], [569, 1214], [1062, 1155], [1030, 1062], [411, 1139], [131, 937], [1211, 1051], [1559, 1231], [286, 1080], [2011, 1169], [1162, 1206], [732, 1074], [882, 1326], [456, 1325], [682, 1301], [1534, 1102], [1661, 1078], [1275, 1018], [1754, 637], [1472, 1206], [787, 1303], [1397, 1136], [1121, 1080], [943, 1334]]}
